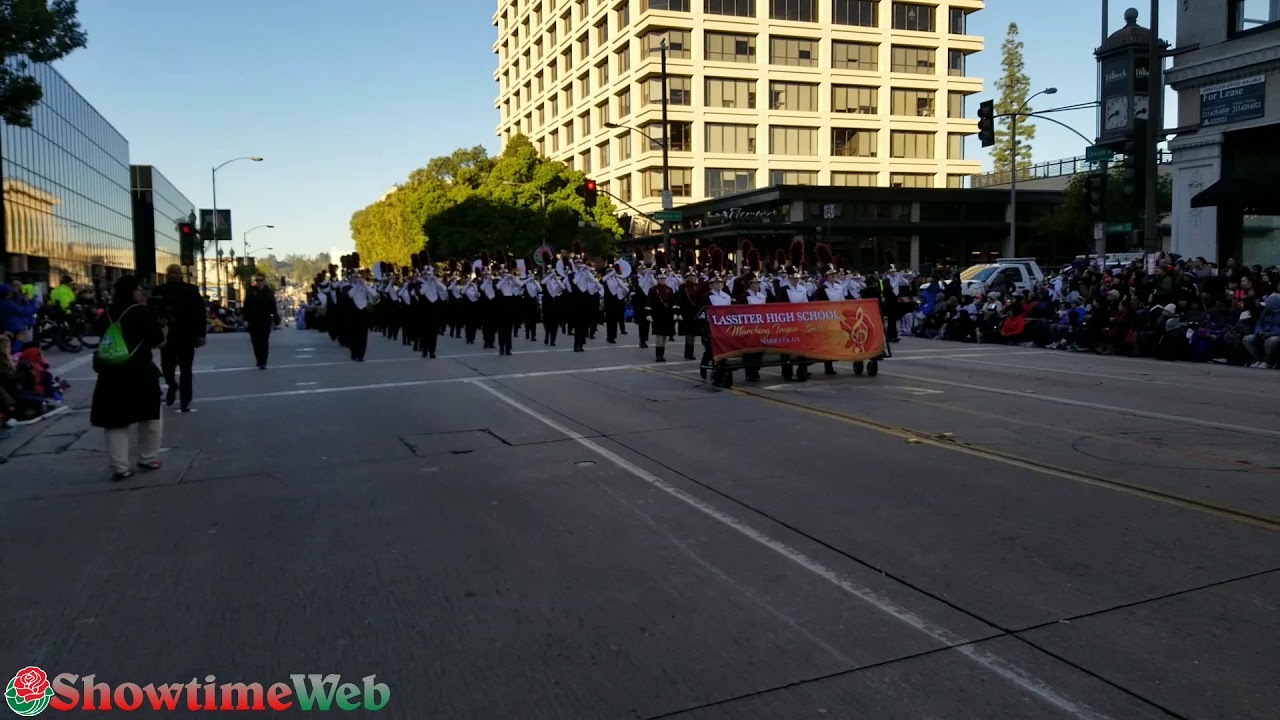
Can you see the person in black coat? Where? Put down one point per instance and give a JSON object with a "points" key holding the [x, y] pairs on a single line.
{"points": [[261, 315], [129, 394], [182, 310]]}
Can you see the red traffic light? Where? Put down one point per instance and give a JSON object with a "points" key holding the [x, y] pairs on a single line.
{"points": [[591, 186]]}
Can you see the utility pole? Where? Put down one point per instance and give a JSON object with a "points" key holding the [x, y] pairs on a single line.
{"points": [[1155, 132], [667, 201]]}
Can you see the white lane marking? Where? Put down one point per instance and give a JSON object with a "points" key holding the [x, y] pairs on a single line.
{"points": [[347, 363], [1002, 668], [916, 390], [303, 357], [306, 384], [66, 367], [1092, 406], [414, 383], [899, 358]]}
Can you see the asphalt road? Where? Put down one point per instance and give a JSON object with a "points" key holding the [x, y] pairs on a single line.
{"points": [[979, 532]]}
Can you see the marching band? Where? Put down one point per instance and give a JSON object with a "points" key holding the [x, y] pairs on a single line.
{"points": [[503, 297]]}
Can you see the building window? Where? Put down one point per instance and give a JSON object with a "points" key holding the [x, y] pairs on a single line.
{"points": [[955, 105], [725, 47], [854, 56], [1249, 14], [624, 103], [585, 120], [955, 63], [602, 32], [721, 181], [911, 145], [793, 177], [584, 85], [793, 140], [624, 59], [912, 103], [670, 5], [603, 152], [735, 8], [568, 133], [863, 13], [854, 179], [624, 15], [793, 51], [795, 10], [554, 102], [958, 21], [602, 74], [854, 99], [584, 48], [624, 146], [681, 136], [624, 188], [586, 161], [677, 43], [955, 181], [913, 17], [681, 182], [603, 110], [915, 60], [955, 146], [679, 90], [910, 180], [731, 93], [731, 139], [852, 142], [555, 142], [793, 97]]}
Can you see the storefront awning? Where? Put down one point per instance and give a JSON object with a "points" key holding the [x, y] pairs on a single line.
{"points": [[1261, 195]]}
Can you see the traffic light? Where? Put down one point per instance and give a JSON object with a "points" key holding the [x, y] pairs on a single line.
{"points": [[1135, 160], [588, 191], [1095, 193], [187, 245], [987, 123]]}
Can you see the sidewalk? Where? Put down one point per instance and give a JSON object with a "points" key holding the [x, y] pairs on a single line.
{"points": [[17, 440]]}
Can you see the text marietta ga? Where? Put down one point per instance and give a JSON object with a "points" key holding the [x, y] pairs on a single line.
{"points": [[773, 317], [310, 692]]}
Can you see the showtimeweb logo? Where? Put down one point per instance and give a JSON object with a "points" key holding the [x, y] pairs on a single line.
{"points": [[30, 693]]}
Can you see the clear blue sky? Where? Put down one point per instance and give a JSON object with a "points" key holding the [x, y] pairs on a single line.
{"points": [[344, 98]]}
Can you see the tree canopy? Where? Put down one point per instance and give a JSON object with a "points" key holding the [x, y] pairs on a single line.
{"points": [[465, 203], [1071, 222], [32, 31]]}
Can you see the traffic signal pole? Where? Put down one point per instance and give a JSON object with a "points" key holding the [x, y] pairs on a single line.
{"points": [[666, 152], [1154, 132]]}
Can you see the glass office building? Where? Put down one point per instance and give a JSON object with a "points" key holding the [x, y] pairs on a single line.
{"points": [[67, 205], [158, 207]]}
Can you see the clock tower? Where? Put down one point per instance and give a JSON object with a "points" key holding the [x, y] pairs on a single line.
{"points": [[1124, 61]]}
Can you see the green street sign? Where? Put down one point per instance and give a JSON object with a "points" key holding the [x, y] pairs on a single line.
{"points": [[1098, 153], [1120, 227], [668, 215]]}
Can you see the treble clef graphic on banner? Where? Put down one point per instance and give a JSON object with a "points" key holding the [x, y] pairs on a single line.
{"points": [[858, 326]]}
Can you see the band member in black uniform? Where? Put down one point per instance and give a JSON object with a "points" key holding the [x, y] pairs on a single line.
{"points": [[471, 306], [615, 302], [688, 300], [554, 293], [432, 299], [506, 307], [715, 296], [641, 283], [662, 308], [531, 292], [755, 295]]}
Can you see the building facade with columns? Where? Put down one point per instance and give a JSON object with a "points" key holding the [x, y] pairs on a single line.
{"points": [[1227, 172]]}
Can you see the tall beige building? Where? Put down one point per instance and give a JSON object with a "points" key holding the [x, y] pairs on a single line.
{"points": [[761, 92]]}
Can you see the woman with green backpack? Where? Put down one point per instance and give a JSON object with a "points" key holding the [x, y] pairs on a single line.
{"points": [[127, 392]]}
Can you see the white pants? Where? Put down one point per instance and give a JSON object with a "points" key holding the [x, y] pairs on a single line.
{"points": [[148, 444]]}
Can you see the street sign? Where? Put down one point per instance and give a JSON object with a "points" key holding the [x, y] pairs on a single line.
{"points": [[537, 254], [1098, 153], [1099, 231], [828, 211], [1120, 227], [668, 200], [668, 216]]}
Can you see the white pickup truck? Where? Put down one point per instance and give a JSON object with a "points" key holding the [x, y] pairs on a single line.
{"points": [[1021, 273]]}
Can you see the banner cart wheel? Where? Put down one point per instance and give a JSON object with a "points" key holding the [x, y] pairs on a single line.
{"points": [[873, 368], [858, 367]]}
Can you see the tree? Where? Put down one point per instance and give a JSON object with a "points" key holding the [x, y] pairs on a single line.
{"points": [[465, 203], [1014, 87], [32, 31], [1071, 224]]}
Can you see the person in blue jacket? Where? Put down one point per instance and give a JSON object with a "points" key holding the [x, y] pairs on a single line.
{"points": [[17, 315]]}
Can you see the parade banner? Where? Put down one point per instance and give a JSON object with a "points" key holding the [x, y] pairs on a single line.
{"points": [[845, 331]]}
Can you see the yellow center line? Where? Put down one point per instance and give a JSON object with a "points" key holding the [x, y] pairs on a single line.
{"points": [[1259, 520]]}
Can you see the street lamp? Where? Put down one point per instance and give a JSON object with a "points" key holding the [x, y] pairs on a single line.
{"points": [[245, 237], [214, 221], [664, 143], [1013, 164]]}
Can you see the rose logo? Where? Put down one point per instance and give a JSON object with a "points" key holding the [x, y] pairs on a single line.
{"points": [[28, 693]]}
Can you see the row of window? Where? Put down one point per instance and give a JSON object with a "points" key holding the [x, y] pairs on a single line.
{"points": [[741, 48], [727, 181], [905, 16], [735, 139]]}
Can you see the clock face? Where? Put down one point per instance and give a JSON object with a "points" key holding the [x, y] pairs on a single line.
{"points": [[1141, 108], [1115, 113]]}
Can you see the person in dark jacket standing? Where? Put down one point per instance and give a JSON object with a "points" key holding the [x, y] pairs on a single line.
{"points": [[182, 310], [128, 394], [261, 315]]}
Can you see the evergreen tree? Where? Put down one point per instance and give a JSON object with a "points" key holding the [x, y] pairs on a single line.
{"points": [[1014, 87]]}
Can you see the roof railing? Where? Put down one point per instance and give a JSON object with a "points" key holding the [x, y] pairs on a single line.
{"points": [[1040, 171]]}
